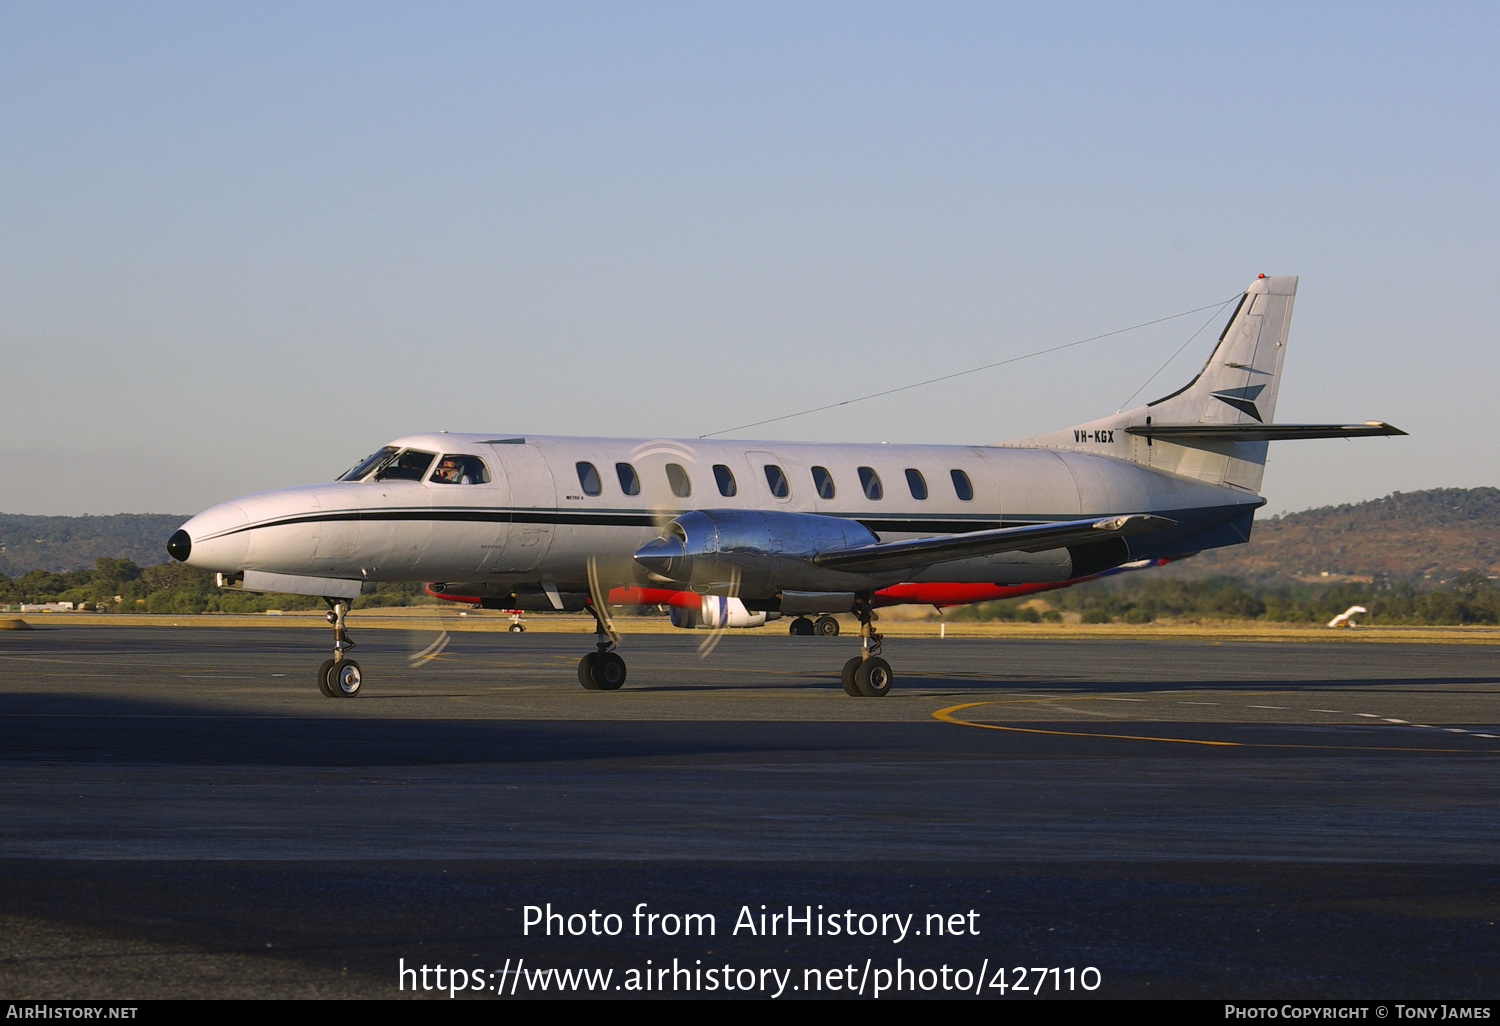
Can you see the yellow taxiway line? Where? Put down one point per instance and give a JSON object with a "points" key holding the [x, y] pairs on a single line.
{"points": [[946, 714]]}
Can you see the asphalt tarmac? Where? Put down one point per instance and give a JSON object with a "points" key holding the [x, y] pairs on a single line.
{"points": [[184, 815]]}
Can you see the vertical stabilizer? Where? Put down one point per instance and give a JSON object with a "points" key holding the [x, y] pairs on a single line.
{"points": [[1238, 385]]}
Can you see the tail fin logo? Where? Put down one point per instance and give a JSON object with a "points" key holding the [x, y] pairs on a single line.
{"points": [[1242, 399]]}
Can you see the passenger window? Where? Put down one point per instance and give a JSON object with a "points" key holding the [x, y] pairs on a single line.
{"points": [[823, 482], [917, 483], [588, 479], [678, 479], [452, 469], [870, 481], [410, 465], [961, 485], [725, 480], [777, 480], [630, 484]]}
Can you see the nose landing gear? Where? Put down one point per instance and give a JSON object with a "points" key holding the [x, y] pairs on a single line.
{"points": [[340, 676], [867, 675], [602, 669]]}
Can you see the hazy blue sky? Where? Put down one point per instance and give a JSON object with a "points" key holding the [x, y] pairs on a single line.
{"points": [[242, 246]]}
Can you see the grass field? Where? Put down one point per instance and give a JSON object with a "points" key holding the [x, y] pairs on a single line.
{"points": [[433, 618]]}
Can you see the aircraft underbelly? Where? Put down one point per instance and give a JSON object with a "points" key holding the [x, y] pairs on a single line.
{"points": [[1002, 568]]}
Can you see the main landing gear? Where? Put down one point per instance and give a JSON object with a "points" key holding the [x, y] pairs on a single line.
{"points": [[825, 627], [339, 677], [867, 675], [602, 669]]}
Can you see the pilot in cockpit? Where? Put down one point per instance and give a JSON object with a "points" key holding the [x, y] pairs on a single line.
{"points": [[457, 469], [451, 471]]}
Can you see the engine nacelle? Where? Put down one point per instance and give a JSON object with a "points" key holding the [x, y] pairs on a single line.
{"points": [[719, 611], [757, 554]]}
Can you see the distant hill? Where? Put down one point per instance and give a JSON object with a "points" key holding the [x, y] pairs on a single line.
{"points": [[73, 543], [1425, 538]]}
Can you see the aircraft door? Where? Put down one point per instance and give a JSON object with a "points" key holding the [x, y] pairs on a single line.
{"points": [[771, 478], [531, 503]]}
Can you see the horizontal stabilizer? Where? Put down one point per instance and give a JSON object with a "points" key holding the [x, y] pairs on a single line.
{"points": [[1033, 538], [1262, 432]]}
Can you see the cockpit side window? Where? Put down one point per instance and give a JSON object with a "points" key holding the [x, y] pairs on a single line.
{"points": [[408, 465], [362, 469], [457, 469]]}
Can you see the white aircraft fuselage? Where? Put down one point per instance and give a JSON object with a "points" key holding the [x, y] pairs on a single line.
{"points": [[528, 522], [534, 522]]}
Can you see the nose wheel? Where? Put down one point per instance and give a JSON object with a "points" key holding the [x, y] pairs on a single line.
{"points": [[867, 675], [339, 677]]}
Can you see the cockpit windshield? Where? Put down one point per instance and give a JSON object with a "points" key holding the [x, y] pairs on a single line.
{"points": [[360, 470], [409, 465], [392, 464]]}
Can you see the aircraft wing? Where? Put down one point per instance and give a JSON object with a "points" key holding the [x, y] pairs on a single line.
{"points": [[1262, 432], [1032, 538]]}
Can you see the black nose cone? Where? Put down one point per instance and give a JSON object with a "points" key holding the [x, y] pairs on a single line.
{"points": [[180, 546]]}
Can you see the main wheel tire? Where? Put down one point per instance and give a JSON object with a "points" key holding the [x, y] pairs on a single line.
{"points": [[609, 672], [850, 688], [873, 678], [517, 628], [345, 678], [826, 627], [586, 670], [323, 684], [801, 627]]}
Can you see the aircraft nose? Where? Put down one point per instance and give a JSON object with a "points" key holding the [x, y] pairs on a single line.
{"points": [[215, 539], [180, 546], [666, 557]]}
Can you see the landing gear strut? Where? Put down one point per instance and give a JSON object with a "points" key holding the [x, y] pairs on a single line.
{"points": [[602, 669], [339, 677], [867, 675]]}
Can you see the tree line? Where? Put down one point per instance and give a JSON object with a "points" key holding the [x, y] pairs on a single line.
{"points": [[1469, 598], [121, 586]]}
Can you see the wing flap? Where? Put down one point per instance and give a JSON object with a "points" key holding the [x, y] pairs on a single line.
{"points": [[1031, 538]]}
